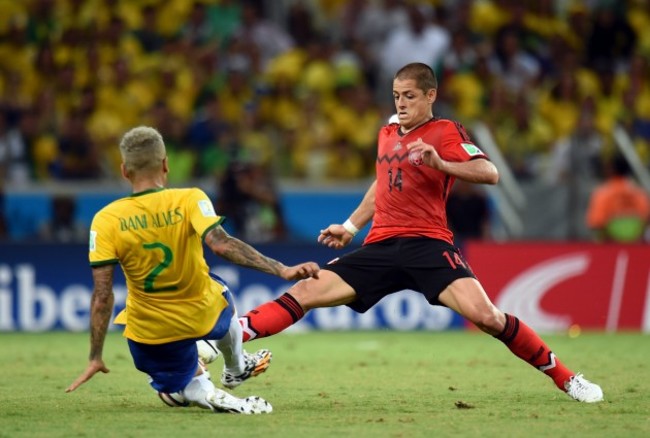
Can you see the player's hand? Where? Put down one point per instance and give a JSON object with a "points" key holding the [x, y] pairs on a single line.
{"points": [[94, 366], [301, 271], [335, 236], [429, 154]]}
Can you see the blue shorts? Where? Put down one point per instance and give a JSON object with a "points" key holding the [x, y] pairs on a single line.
{"points": [[171, 366]]}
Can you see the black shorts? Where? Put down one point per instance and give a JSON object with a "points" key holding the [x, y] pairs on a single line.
{"points": [[421, 264]]}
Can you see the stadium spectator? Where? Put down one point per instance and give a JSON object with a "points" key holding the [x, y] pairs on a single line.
{"points": [[157, 237], [115, 41], [363, 27], [40, 23], [225, 18], [63, 226], [370, 22], [560, 105], [78, 154], [635, 88], [409, 245], [307, 143], [4, 226], [236, 95], [577, 157], [468, 213], [462, 55], [279, 105], [248, 196], [198, 30], [344, 161], [638, 16], [546, 24], [211, 139], [300, 24], [486, 17], [148, 35], [517, 69], [14, 154], [612, 40], [354, 123], [523, 137], [421, 40], [619, 210], [44, 63], [517, 26], [466, 93], [269, 39], [173, 131]]}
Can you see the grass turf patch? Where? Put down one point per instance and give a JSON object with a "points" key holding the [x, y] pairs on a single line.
{"points": [[380, 383]]}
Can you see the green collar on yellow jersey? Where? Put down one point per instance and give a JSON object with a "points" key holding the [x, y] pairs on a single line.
{"points": [[158, 189]]}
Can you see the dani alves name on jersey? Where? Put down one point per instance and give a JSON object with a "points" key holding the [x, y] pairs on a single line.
{"points": [[157, 220]]}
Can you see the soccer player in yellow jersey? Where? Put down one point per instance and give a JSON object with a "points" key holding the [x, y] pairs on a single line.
{"points": [[156, 235]]}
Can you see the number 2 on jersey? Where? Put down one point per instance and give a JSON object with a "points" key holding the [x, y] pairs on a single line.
{"points": [[168, 256]]}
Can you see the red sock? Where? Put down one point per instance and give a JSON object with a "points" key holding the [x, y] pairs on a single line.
{"points": [[271, 318], [527, 345]]}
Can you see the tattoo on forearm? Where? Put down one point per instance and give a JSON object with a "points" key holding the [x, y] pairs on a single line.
{"points": [[241, 253], [101, 309]]}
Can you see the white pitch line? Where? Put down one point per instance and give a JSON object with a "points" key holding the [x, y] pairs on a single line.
{"points": [[617, 292]]}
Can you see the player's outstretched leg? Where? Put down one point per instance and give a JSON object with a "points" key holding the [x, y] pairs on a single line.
{"points": [[202, 393], [271, 318], [528, 346]]}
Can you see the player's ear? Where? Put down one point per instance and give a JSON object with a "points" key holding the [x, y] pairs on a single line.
{"points": [[123, 171], [165, 165], [431, 95]]}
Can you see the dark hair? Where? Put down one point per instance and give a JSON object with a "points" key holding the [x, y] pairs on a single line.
{"points": [[620, 166], [424, 75]]}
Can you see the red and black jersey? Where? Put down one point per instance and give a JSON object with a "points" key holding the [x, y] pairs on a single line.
{"points": [[411, 200]]}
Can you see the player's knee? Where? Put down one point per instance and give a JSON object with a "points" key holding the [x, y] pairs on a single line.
{"points": [[489, 322], [305, 297], [326, 291]]}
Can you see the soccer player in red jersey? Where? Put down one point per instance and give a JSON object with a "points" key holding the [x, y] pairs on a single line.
{"points": [[409, 245]]}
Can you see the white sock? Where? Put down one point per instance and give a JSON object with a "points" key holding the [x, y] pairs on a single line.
{"points": [[206, 373], [231, 346], [198, 389]]}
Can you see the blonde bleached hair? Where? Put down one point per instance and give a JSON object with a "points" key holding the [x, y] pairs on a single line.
{"points": [[142, 149]]}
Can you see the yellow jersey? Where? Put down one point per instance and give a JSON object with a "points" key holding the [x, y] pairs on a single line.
{"points": [[157, 238]]}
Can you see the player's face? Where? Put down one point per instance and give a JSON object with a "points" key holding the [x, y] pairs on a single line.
{"points": [[413, 106]]}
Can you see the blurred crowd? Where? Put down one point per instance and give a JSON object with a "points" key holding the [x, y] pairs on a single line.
{"points": [[300, 88]]}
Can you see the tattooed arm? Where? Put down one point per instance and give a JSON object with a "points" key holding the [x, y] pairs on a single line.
{"points": [[101, 309], [241, 253]]}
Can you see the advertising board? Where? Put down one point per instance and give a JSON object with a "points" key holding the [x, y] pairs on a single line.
{"points": [[553, 286], [48, 287]]}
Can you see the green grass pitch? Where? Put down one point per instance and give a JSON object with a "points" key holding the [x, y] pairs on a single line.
{"points": [[337, 384]]}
